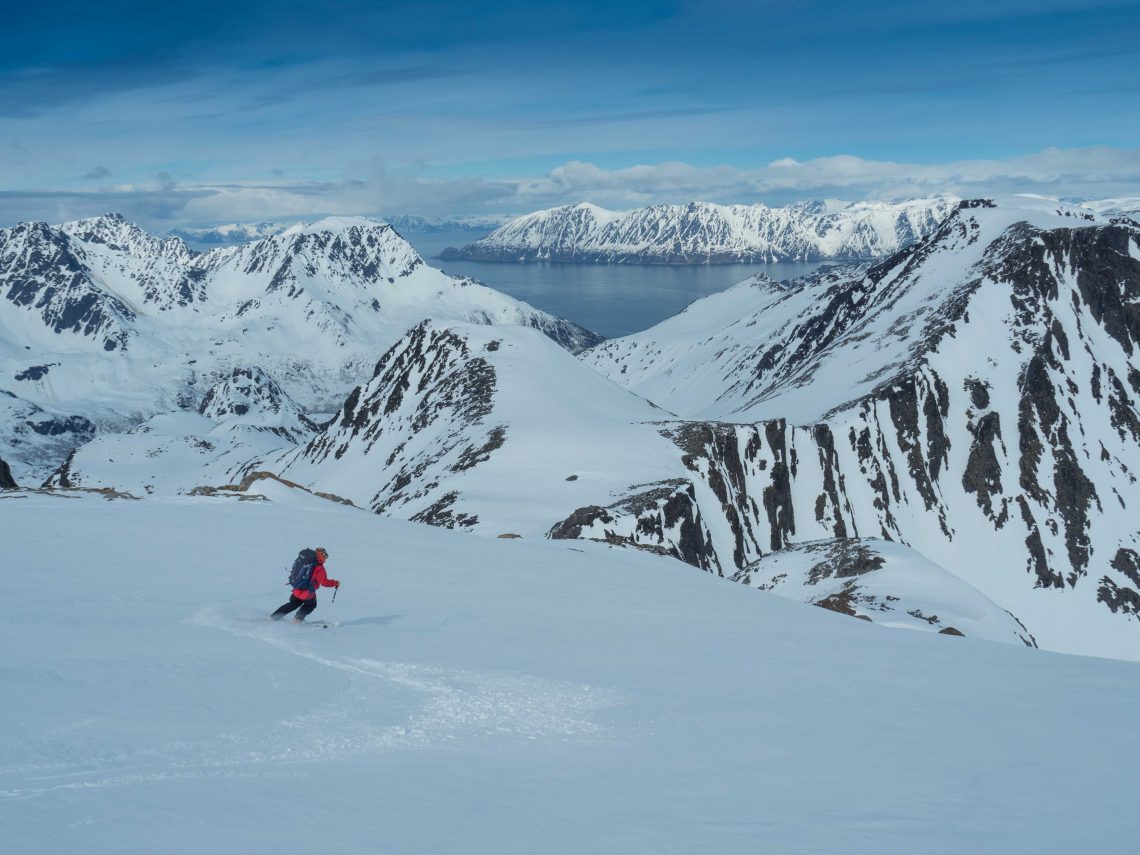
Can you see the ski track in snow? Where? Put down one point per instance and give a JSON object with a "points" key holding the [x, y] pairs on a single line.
{"points": [[439, 709]]}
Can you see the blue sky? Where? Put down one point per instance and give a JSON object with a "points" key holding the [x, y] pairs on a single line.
{"points": [[220, 112]]}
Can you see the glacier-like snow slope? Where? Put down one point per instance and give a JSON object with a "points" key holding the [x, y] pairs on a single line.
{"points": [[883, 582], [100, 319], [704, 233], [487, 696]]}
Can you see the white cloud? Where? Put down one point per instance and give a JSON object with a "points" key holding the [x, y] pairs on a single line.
{"points": [[1089, 172]]}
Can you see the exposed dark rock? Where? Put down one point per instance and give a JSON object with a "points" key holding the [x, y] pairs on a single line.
{"points": [[844, 559], [979, 394], [1118, 598], [440, 514], [778, 496], [571, 528], [1127, 562], [473, 456], [666, 519], [982, 475], [842, 601], [1037, 560], [7, 482], [918, 615], [77, 425], [62, 476], [35, 372]]}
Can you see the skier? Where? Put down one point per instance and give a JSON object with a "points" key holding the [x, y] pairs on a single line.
{"points": [[303, 600]]}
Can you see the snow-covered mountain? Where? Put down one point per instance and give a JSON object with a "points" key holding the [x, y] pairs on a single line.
{"points": [[228, 234], [101, 320], [704, 233], [973, 397], [414, 224]]}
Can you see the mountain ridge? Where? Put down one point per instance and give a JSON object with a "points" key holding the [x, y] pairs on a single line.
{"points": [[707, 233]]}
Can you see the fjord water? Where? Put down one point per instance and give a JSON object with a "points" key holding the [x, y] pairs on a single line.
{"points": [[611, 299]]}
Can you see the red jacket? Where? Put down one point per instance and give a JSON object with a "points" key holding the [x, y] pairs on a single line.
{"points": [[320, 579]]}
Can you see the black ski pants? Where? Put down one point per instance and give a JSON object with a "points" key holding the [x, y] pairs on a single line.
{"points": [[306, 608]]}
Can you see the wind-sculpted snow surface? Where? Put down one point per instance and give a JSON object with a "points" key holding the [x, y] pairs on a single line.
{"points": [[100, 319], [704, 233]]}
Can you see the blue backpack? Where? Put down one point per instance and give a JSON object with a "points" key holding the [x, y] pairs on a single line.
{"points": [[302, 574]]}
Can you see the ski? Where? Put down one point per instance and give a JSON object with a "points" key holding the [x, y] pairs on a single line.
{"points": [[323, 624]]}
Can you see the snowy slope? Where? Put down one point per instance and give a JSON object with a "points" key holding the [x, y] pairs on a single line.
{"points": [[1120, 207], [704, 233], [99, 319], [228, 234], [883, 582], [487, 696]]}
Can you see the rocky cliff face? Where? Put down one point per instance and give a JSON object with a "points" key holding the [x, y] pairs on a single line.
{"points": [[703, 233], [7, 482]]}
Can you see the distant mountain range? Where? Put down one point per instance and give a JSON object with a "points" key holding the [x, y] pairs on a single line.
{"points": [[704, 233], [972, 399]]}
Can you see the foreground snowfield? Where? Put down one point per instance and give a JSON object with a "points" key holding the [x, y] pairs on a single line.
{"points": [[508, 696]]}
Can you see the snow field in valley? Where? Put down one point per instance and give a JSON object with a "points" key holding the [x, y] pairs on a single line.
{"points": [[507, 696]]}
